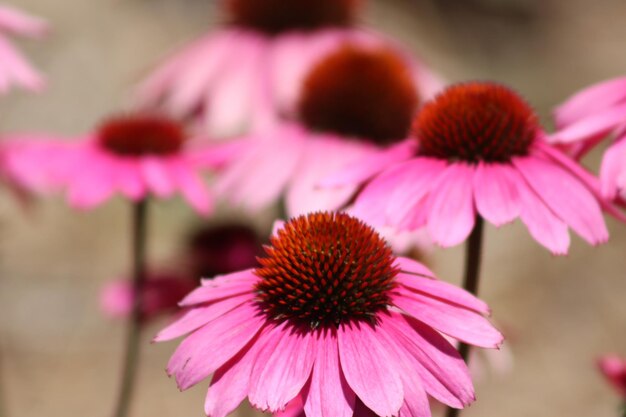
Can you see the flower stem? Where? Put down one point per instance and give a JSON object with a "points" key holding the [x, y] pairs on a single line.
{"points": [[134, 326], [470, 282]]}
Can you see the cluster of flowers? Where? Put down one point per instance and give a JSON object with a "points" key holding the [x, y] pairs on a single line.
{"points": [[369, 150]]}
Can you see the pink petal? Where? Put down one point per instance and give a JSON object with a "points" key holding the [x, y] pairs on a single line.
{"points": [[613, 168], [409, 266], [19, 23], [155, 174], [370, 372], [457, 322], [210, 347], [592, 126], [221, 287], [452, 214], [17, 69], [230, 384], [199, 316], [329, 394], [94, 186], [190, 185], [253, 178], [591, 100], [415, 400], [409, 195], [128, 179], [495, 193], [230, 105], [568, 198], [277, 380], [589, 180], [321, 155], [360, 171], [542, 223], [444, 291], [440, 367]]}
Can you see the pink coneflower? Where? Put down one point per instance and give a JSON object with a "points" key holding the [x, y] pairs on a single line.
{"points": [[355, 102], [589, 117], [331, 317], [14, 69], [137, 156], [478, 149], [613, 368], [240, 77]]}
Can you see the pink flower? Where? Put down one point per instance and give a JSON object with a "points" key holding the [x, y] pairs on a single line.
{"points": [[136, 156], [613, 368], [161, 293], [242, 77], [331, 318], [14, 70], [478, 150], [357, 101], [591, 116]]}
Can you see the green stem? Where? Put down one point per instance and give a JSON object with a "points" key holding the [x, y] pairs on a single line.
{"points": [[134, 326], [470, 282]]}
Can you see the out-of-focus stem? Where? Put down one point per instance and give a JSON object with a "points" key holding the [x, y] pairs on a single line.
{"points": [[134, 326], [470, 282]]}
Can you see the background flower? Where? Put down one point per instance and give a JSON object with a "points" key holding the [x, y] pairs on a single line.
{"points": [[14, 69]]}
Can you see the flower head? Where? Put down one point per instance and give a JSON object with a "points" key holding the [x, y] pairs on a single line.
{"points": [[137, 156], [247, 76], [14, 69], [355, 101], [331, 318], [279, 16], [478, 149], [613, 368]]}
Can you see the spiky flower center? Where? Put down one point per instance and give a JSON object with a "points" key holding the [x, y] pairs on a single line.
{"points": [[324, 269], [276, 16], [474, 122], [141, 135], [365, 93]]}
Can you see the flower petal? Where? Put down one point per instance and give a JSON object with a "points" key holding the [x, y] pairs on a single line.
{"points": [[452, 215], [280, 378], [369, 370], [197, 317], [210, 347], [444, 291], [329, 394], [441, 369], [221, 287], [451, 319], [495, 193], [568, 198], [230, 384]]}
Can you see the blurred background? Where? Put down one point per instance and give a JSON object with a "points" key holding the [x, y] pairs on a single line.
{"points": [[61, 357]]}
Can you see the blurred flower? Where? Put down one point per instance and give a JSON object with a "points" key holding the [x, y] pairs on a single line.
{"points": [[298, 326], [134, 155], [587, 118], [355, 102], [613, 368], [478, 149], [14, 70], [161, 294], [223, 249], [241, 77]]}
